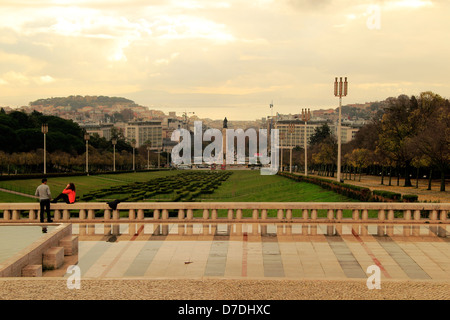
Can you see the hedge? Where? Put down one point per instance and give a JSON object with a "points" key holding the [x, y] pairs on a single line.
{"points": [[349, 190], [352, 191]]}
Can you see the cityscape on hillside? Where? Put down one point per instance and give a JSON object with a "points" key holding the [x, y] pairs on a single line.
{"points": [[99, 114]]}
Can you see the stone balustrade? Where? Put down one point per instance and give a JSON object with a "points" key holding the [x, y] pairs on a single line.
{"points": [[207, 211]]}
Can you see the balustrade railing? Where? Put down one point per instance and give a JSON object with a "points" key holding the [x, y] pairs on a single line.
{"points": [[231, 211]]}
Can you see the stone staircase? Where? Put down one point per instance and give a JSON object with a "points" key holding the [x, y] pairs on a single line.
{"points": [[53, 258]]}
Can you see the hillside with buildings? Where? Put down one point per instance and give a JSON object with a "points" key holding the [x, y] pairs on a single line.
{"points": [[108, 116]]}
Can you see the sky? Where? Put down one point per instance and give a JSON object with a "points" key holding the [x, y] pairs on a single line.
{"points": [[225, 58]]}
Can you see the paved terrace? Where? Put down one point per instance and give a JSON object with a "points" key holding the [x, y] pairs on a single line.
{"points": [[295, 255]]}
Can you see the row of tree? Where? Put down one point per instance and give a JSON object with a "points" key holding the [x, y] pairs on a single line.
{"points": [[410, 133]]}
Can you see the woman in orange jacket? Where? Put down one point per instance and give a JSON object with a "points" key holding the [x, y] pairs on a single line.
{"points": [[68, 194]]}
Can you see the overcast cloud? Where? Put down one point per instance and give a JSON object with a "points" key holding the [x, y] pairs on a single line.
{"points": [[223, 58]]}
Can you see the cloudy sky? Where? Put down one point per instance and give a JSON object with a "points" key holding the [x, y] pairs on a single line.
{"points": [[223, 58]]}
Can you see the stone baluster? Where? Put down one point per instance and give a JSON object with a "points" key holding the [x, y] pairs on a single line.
{"points": [[416, 214], [57, 215], [214, 215], [15, 215], [365, 214], [280, 214], [181, 214], [131, 214], [32, 215], [230, 214], [239, 214], [355, 214], [381, 215], [66, 215], [82, 214], [156, 214], [289, 214], [165, 214], [140, 214], [443, 215], [390, 215], [434, 215], [205, 214], [116, 214], [190, 214], [407, 214], [91, 214], [107, 214], [305, 214], [264, 214], [314, 214], [255, 214], [339, 214], [330, 214]]}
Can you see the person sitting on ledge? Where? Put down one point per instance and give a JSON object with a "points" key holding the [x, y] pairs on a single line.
{"points": [[68, 194]]}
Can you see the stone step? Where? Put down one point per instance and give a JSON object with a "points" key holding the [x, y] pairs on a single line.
{"points": [[70, 245], [32, 270], [53, 258]]}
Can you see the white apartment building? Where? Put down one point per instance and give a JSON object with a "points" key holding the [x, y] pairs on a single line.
{"points": [[145, 132], [292, 132]]}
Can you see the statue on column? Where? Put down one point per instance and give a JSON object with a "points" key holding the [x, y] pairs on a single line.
{"points": [[225, 123]]}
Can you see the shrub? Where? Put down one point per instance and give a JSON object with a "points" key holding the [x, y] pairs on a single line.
{"points": [[410, 198], [386, 195]]}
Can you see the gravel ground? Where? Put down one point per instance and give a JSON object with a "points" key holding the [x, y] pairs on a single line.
{"points": [[220, 289]]}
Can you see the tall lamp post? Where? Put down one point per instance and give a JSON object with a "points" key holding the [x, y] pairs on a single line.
{"points": [[340, 90], [114, 142], [86, 137], [133, 144], [148, 157], [291, 130], [306, 115], [45, 131]]}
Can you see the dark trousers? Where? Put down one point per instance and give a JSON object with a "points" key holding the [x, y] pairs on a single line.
{"points": [[63, 196], [45, 205]]}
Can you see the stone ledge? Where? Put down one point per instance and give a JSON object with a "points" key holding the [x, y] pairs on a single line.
{"points": [[70, 245], [53, 258], [32, 270]]}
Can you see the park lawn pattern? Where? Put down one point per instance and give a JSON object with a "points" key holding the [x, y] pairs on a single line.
{"points": [[188, 185]]}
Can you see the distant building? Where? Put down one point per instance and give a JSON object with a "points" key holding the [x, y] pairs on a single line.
{"points": [[103, 130], [292, 132], [145, 132]]}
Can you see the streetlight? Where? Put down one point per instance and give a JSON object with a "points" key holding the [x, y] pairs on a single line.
{"points": [[291, 130], [45, 131], [86, 137], [133, 144], [340, 90], [148, 157], [114, 142], [306, 115]]}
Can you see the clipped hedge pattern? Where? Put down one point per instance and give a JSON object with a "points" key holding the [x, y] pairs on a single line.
{"points": [[186, 186]]}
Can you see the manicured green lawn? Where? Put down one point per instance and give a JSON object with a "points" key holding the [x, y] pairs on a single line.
{"points": [[240, 186]]}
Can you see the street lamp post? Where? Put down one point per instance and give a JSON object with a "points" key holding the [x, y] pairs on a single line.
{"points": [[45, 131], [114, 142], [148, 158], [306, 115], [86, 137], [133, 144], [291, 130], [340, 90], [159, 158]]}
